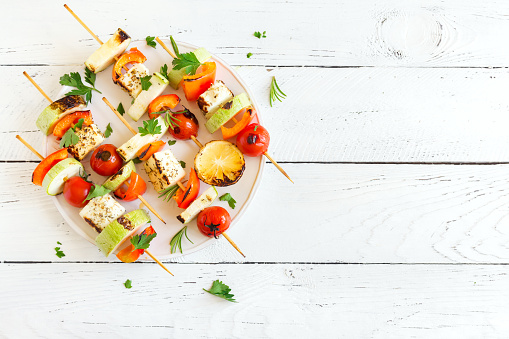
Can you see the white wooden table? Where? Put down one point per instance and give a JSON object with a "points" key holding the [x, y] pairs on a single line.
{"points": [[395, 131]]}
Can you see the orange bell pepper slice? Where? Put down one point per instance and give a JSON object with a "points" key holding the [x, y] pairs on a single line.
{"points": [[185, 198], [195, 85], [132, 56], [130, 254], [248, 115], [135, 186], [162, 103], [46, 164], [146, 151], [70, 120]]}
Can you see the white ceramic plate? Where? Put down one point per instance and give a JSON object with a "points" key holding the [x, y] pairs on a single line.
{"points": [[243, 191]]}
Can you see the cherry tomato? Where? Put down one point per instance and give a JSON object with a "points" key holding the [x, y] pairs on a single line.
{"points": [[213, 221], [76, 190], [184, 124], [135, 186], [253, 140], [105, 160]]}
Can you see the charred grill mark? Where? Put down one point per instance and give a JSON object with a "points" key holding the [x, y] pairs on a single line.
{"points": [[144, 152], [228, 105], [126, 223], [91, 223], [122, 36], [67, 102], [180, 219], [201, 103]]}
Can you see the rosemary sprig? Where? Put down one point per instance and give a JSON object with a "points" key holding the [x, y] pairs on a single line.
{"points": [[177, 240], [169, 119], [168, 192], [275, 92], [174, 45]]}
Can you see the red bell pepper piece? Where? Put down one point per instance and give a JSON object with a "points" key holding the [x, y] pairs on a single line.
{"points": [[162, 103], [135, 186], [195, 85], [130, 254], [132, 56], [70, 120], [248, 115], [146, 151], [46, 164], [185, 198]]}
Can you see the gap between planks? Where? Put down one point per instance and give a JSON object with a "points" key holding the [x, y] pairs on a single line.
{"points": [[20, 262]]}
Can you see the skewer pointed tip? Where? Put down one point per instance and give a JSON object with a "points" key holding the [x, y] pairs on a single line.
{"points": [[277, 166]]}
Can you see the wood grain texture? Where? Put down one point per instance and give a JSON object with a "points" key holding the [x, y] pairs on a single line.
{"points": [[335, 115], [318, 33], [275, 301], [333, 213]]}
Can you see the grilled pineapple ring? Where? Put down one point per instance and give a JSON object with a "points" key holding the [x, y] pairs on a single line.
{"points": [[219, 163]]}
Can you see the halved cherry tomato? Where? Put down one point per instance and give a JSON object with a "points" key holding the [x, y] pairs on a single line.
{"points": [[129, 254], [195, 85], [162, 103], [213, 221], [105, 160], [146, 151], [70, 120], [76, 190], [184, 199], [130, 57], [253, 140], [46, 164], [184, 125], [248, 115], [135, 186]]}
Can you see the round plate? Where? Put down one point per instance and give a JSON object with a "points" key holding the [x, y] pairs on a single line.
{"points": [[243, 191]]}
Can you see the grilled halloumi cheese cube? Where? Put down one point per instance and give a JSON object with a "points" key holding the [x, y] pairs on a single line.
{"points": [[131, 80], [101, 211], [213, 98], [90, 137], [140, 105], [128, 150], [105, 55], [163, 170]]}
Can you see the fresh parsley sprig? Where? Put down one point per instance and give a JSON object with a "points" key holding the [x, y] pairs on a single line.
{"points": [[176, 241], [168, 192], [188, 62], [221, 290], [70, 137], [260, 35], [108, 131], [127, 283], [164, 71], [120, 109], [142, 242], [97, 191], [73, 79], [145, 82], [150, 41], [227, 197], [58, 252], [275, 92], [150, 127]]}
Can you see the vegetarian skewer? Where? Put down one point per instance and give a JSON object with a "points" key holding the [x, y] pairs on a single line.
{"points": [[42, 158], [173, 55]]}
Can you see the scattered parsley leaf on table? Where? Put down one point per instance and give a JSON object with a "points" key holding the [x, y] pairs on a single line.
{"points": [[227, 197], [221, 290], [260, 35], [145, 82], [142, 242], [73, 79], [127, 283], [150, 41], [120, 109], [182, 163], [188, 62], [150, 127], [108, 131], [97, 191], [58, 242], [59, 253], [249, 55]]}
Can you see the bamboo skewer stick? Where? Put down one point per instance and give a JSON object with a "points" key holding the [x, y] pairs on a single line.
{"points": [[157, 261], [163, 45], [29, 147], [37, 86], [133, 131], [232, 243], [145, 202], [83, 24]]}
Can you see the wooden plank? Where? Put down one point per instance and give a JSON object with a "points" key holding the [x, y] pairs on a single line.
{"points": [[275, 301], [333, 213], [326, 32], [335, 115]]}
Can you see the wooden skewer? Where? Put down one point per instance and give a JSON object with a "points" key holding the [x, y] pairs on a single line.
{"points": [[163, 45], [199, 144], [133, 131], [157, 261], [150, 208], [83, 24], [29, 147], [232, 243], [37, 86]]}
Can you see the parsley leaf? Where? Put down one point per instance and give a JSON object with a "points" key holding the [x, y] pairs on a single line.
{"points": [[221, 290], [97, 191], [59, 253], [182, 163], [145, 82], [172, 142], [127, 283], [188, 62], [150, 41], [227, 197], [79, 124], [142, 242], [249, 55], [255, 128], [108, 131], [137, 160], [120, 109], [90, 77], [260, 35], [164, 71], [69, 138], [73, 79], [58, 242], [150, 127]]}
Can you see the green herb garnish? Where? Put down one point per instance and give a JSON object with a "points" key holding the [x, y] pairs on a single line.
{"points": [[260, 35], [142, 242], [170, 120], [174, 45], [176, 241], [256, 127], [150, 41], [137, 160], [59, 243], [89, 77], [164, 71], [150, 127], [275, 92], [249, 55], [168, 192], [59, 253], [221, 290], [227, 197], [120, 109], [145, 82], [73, 79], [70, 138], [188, 62], [172, 142], [108, 131], [97, 191], [127, 283], [182, 163]]}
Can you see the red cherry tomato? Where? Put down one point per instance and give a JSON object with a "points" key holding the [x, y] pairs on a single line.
{"points": [[253, 140], [105, 160], [135, 186], [184, 124], [213, 221], [76, 190]]}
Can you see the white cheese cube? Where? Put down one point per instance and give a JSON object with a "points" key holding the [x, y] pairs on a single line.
{"points": [[105, 55], [101, 211], [164, 170], [130, 81], [213, 98], [140, 105], [90, 137], [128, 150]]}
